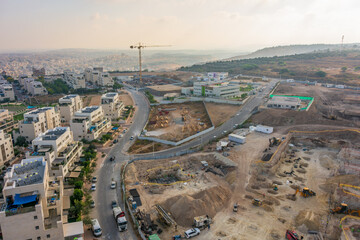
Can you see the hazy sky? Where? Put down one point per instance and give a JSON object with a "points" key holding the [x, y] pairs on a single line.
{"points": [[185, 24]]}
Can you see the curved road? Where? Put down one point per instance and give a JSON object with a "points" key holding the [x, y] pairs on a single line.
{"points": [[105, 195]]}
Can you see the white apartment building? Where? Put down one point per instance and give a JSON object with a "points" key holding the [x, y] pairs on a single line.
{"points": [[37, 89], [89, 123], [111, 105], [6, 120], [97, 77], [74, 80], [59, 149], [68, 106], [6, 148], [217, 76], [216, 89], [38, 121], [32, 207], [6, 92]]}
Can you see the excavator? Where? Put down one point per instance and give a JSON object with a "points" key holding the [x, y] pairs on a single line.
{"points": [[344, 209], [306, 192], [256, 202], [274, 141]]}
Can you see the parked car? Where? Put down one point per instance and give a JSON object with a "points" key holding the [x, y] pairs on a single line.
{"points": [[94, 179], [115, 141], [113, 185], [92, 203], [113, 204], [95, 227], [192, 232], [93, 187], [131, 138]]}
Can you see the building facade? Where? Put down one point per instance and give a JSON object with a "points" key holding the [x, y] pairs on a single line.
{"points": [[68, 105], [7, 121], [74, 80], [112, 105], [284, 102], [89, 123], [6, 93], [38, 121], [97, 77], [58, 148], [32, 205], [6, 148], [216, 89]]}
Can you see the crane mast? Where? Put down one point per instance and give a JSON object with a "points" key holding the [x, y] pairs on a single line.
{"points": [[139, 46]]}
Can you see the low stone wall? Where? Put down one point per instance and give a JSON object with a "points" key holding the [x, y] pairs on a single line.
{"points": [[179, 142]]}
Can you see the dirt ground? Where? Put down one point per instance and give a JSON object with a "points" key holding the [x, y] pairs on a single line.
{"points": [[48, 99], [146, 146], [165, 88], [343, 105], [175, 122], [190, 187], [220, 113], [126, 98]]}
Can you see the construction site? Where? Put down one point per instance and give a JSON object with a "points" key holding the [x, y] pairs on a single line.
{"points": [[174, 122]]}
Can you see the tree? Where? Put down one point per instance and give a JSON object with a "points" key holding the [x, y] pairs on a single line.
{"points": [[78, 195], [343, 69], [21, 141], [78, 184], [320, 74]]}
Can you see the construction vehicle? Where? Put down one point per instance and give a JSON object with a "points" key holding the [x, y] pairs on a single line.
{"points": [[275, 187], [202, 221], [344, 209], [120, 218], [235, 209], [256, 202], [292, 235], [274, 141], [306, 192]]}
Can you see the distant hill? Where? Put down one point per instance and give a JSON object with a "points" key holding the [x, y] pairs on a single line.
{"points": [[322, 66], [291, 50]]}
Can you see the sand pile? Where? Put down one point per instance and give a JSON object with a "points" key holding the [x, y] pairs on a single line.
{"points": [[309, 219], [185, 207]]}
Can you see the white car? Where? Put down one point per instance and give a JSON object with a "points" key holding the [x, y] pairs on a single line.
{"points": [[192, 232], [93, 187], [113, 185]]}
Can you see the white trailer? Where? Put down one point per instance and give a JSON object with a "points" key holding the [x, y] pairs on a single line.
{"points": [[120, 218], [264, 129], [237, 138]]}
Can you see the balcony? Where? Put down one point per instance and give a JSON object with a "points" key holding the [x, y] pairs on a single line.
{"points": [[98, 126], [51, 221], [67, 154], [19, 210]]}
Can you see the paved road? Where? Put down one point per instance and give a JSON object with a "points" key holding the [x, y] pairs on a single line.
{"points": [[244, 113], [109, 170], [104, 195]]}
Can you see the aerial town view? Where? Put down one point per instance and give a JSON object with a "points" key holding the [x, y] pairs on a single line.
{"points": [[179, 119]]}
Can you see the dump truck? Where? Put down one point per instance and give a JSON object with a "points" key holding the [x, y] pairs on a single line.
{"points": [[120, 218], [202, 221]]}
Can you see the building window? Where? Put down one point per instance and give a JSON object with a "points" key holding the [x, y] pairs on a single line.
{"points": [[35, 217], [48, 236], [38, 238], [37, 227]]}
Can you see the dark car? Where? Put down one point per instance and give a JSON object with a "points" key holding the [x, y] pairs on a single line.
{"points": [[113, 204]]}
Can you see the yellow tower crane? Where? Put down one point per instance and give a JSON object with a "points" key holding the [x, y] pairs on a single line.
{"points": [[140, 46]]}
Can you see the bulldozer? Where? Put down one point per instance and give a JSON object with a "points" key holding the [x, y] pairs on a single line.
{"points": [[256, 202], [344, 209], [306, 192]]}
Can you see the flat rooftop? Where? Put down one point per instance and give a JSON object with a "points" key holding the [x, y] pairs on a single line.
{"points": [[29, 171], [89, 109], [69, 96], [109, 95], [52, 134], [40, 110]]}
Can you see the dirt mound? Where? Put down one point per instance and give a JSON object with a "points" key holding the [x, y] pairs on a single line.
{"points": [[209, 201], [309, 219]]}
